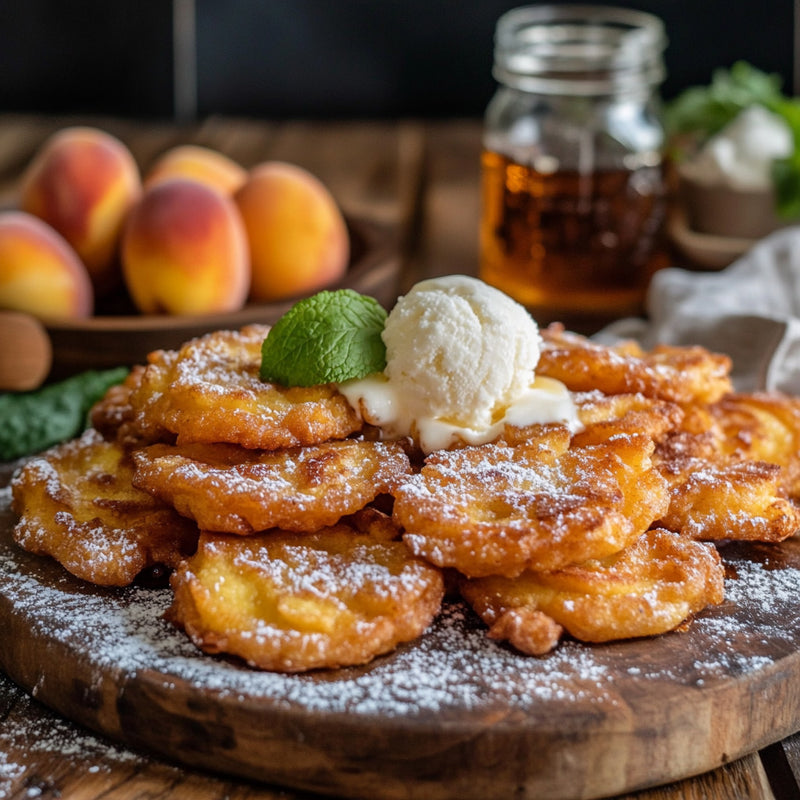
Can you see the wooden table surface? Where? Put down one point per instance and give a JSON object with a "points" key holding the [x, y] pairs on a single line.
{"points": [[420, 177]]}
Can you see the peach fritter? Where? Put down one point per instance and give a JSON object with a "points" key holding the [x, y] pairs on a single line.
{"points": [[603, 416], [229, 489], [605, 533], [646, 589], [112, 415], [675, 374], [211, 391], [292, 602], [76, 503], [722, 498], [759, 426], [732, 468], [498, 510]]}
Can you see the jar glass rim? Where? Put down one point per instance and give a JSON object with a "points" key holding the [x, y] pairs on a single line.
{"points": [[596, 48]]}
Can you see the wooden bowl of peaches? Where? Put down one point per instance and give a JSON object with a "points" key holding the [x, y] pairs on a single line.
{"points": [[116, 263]]}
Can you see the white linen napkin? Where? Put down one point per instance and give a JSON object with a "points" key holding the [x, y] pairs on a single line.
{"points": [[749, 310]]}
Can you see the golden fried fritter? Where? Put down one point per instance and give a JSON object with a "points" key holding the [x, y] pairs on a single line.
{"points": [[760, 426], [113, 414], [293, 602], [210, 391], [498, 510], [543, 530], [76, 504], [675, 374], [731, 466], [603, 416], [230, 489], [649, 588], [725, 498]]}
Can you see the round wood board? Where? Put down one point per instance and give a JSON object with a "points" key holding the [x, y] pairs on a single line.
{"points": [[451, 715]]}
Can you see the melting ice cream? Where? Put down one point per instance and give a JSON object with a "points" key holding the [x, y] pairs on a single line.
{"points": [[461, 359]]}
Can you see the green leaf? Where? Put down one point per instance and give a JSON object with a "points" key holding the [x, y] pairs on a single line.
{"points": [[330, 337], [786, 171], [34, 421]]}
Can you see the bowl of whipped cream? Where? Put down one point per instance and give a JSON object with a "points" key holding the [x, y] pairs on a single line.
{"points": [[726, 188]]}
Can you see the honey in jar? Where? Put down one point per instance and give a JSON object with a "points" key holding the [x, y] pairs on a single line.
{"points": [[573, 189]]}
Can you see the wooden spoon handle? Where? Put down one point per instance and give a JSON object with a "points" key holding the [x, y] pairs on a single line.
{"points": [[26, 353]]}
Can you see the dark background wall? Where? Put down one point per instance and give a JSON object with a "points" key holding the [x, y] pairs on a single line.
{"points": [[321, 58]]}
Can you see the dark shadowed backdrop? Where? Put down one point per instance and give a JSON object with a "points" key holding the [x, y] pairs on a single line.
{"points": [[321, 58]]}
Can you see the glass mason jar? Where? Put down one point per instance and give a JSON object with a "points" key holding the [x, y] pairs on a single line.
{"points": [[573, 188]]}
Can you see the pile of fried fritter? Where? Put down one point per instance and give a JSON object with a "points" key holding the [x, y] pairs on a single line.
{"points": [[295, 538]]}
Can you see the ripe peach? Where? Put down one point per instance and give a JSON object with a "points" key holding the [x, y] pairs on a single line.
{"points": [[39, 272], [184, 251], [298, 237], [83, 182], [199, 163]]}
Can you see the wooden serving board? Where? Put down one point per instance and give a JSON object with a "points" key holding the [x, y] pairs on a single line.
{"points": [[452, 715]]}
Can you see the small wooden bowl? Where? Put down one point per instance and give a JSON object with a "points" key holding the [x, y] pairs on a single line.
{"points": [[705, 251], [125, 337], [728, 213]]}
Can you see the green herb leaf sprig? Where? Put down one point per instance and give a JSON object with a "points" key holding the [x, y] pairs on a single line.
{"points": [[332, 336]]}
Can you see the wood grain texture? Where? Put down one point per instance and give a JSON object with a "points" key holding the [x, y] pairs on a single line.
{"points": [[791, 748], [44, 756], [744, 779], [445, 237]]}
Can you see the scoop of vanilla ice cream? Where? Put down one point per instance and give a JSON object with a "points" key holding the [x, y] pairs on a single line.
{"points": [[462, 350], [460, 361]]}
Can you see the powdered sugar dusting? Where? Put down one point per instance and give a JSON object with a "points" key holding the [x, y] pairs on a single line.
{"points": [[450, 668], [453, 672], [34, 736], [453, 667]]}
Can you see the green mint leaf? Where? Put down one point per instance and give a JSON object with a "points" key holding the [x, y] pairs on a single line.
{"points": [[330, 337]]}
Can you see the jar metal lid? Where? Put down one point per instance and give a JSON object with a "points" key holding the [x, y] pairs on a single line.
{"points": [[579, 49]]}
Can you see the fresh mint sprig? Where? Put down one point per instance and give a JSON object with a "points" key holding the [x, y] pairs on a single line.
{"points": [[330, 337]]}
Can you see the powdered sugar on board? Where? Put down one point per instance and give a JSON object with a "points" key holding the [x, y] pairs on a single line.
{"points": [[454, 667], [30, 738], [563, 723]]}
